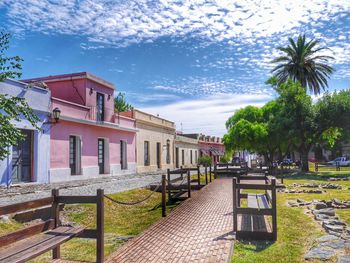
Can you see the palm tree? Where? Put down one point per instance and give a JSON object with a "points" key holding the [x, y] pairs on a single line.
{"points": [[301, 62]]}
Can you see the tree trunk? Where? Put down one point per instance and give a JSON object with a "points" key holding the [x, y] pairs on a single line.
{"points": [[304, 160]]}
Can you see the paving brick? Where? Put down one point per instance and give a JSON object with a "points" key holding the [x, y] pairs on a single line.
{"points": [[199, 230]]}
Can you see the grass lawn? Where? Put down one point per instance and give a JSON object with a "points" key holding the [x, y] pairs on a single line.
{"points": [[120, 221], [296, 230]]}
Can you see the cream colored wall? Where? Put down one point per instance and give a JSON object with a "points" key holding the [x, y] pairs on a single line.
{"points": [[187, 153], [154, 134]]}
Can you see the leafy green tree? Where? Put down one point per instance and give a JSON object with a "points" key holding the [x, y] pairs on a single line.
{"points": [[11, 108], [10, 67], [303, 62], [120, 105], [256, 130], [290, 122]]}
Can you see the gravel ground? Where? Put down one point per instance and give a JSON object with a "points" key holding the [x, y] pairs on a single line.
{"points": [[115, 184]]}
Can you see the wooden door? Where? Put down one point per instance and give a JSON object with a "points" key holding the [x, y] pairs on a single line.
{"points": [[158, 155], [22, 155], [101, 156], [123, 155]]}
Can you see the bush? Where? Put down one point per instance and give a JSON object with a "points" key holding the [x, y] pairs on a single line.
{"points": [[204, 160], [225, 159]]}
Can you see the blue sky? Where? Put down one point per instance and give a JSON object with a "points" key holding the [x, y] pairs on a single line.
{"points": [[193, 62]]}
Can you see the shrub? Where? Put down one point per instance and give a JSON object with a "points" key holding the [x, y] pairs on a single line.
{"points": [[225, 159], [204, 160]]}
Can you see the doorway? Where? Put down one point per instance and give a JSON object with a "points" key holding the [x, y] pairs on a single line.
{"points": [[123, 155], [100, 106], [177, 157], [101, 156], [158, 155], [22, 155]]}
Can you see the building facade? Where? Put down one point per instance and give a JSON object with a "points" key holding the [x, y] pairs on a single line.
{"points": [[208, 146], [186, 151], [154, 141], [29, 160], [89, 140]]}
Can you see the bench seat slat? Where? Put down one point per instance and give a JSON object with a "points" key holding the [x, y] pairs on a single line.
{"points": [[26, 232], [252, 202], [263, 203], [30, 248]]}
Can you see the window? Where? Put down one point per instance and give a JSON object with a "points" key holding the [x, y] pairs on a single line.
{"points": [[183, 157], [74, 154], [196, 157], [100, 105], [123, 155], [168, 151], [146, 153], [191, 156]]}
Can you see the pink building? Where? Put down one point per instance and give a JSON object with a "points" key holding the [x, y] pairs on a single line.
{"points": [[89, 140], [208, 145]]}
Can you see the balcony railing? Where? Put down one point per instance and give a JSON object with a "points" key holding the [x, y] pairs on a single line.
{"points": [[77, 111]]}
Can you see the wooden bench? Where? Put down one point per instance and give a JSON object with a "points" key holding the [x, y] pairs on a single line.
{"points": [[30, 242], [229, 170], [253, 224]]}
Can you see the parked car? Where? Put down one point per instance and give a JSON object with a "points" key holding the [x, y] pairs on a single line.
{"points": [[236, 161], [286, 162], [343, 161], [312, 160]]}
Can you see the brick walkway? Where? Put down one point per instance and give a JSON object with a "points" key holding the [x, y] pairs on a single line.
{"points": [[199, 230]]}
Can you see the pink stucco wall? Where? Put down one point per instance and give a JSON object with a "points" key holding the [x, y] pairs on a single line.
{"points": [[210, 145], [70, 90], [89, 134], [71, 109]]}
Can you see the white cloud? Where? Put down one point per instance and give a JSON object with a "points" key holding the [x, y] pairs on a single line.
{"points": [[207, 115], [253, 28], [125, 22]]}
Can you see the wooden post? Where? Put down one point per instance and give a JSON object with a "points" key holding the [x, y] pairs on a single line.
{"points": [[189, 184], [274, 209], [100, 226], [169, 186], [316, 166], [215, 171], [56, 252], [206, 175], [199, 176], [210, 172], [163, 196], [234, 213]]}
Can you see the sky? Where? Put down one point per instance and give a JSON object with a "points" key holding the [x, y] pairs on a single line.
{"points": [[192, 62]]}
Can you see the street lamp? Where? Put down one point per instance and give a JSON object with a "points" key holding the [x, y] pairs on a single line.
{"points": [[56, 114]]}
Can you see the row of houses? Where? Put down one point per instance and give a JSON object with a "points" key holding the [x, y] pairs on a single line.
{"points": [[82, 137]]}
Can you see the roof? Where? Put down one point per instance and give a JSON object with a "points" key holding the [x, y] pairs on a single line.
{"points": [[78, 75]]}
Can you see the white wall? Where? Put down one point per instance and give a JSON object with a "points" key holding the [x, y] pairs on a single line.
{"points": [[39, 100]]}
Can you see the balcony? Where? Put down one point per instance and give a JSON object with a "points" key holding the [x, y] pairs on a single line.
{"points": [[89, 114]]}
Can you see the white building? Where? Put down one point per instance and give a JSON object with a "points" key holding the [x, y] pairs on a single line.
{"points": [[29, 161]]}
